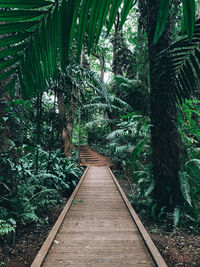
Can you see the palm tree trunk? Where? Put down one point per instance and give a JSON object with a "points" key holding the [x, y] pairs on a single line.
{"points": [[164, 135]]}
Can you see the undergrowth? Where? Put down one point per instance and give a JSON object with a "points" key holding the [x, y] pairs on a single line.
{"points": [[27, 194], [129, 147]]}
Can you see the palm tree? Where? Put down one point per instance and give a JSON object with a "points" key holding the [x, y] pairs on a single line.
{"points": [[37, 36], [174, 75]]}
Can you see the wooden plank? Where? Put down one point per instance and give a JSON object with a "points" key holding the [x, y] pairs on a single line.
{"points": [[49, 240], [147, 239]]}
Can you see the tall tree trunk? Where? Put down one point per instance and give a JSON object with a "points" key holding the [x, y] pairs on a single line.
{"points": [[67, 116], [164, 135], [118, 56]]}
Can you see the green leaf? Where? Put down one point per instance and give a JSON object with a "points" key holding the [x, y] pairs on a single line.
{"points": [[15, 27], [176, 215], [189, 17], [6, 74], [10, 87], [73, 23], [12, 50], [102, 17], [9, 62], [83, 23], [195, 66], [66, 18], [150, 189], [113, 12], [24, 4], [20, 15], [126, 8], [163, 14], [94, 17], [129, 115], [13, 39]]}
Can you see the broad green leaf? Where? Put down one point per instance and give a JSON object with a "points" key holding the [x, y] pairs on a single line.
{"points": [[94, 17], [126, 8], [105, 4], [189, 17], [24, 4], [113, 12], [15, 27], [83, 23], [20, 15], [54, 22], [163, 14], [73, 23], [29, 87], [66, 16]]}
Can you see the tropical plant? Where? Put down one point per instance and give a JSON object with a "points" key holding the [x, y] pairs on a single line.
{"points": [[181, 59], [188, 124], [188, 18], [27, 195], [38, 36]]}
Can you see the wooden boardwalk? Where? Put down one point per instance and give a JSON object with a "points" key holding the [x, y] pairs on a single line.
{"points": [[98, 227], [91, 158]]}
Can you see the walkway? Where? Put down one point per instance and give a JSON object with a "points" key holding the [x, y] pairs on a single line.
{"points": [[98, 228], [91, 158]]}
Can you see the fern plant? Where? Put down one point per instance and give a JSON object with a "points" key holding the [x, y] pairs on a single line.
{"points": [[28, 196]]}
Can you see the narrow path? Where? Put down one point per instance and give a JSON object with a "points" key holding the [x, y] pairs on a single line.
{"points": [[97, 229], [91, 158]]}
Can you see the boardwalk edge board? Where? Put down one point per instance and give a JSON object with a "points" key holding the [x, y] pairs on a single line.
{"points": [[39, 259], [156, 256]]}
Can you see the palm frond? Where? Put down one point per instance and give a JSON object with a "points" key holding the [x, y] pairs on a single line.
{"points": [[47, 29], [182, 63]]}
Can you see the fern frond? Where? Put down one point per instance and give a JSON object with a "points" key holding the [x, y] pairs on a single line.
{"points": [[117, 101], [100, 123], [122, 149], [116, 133]]}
